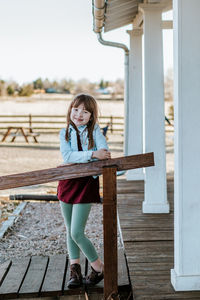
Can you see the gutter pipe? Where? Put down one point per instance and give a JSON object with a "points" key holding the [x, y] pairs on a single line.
{"points": [[126, 83]]}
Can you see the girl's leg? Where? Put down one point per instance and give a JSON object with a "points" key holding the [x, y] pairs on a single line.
{"points": [[98, 265], [80, 215], [75, 279], [73, 249]]}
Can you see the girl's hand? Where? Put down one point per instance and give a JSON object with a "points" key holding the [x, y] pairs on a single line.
{"points": [[101, 154]]}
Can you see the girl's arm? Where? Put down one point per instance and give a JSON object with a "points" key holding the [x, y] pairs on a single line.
{"points": [[70, 156], [100, 139], [101, 145], [102, 148]]}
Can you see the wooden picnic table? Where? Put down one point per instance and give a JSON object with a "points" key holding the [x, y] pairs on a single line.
{"points": [[19, 131]]}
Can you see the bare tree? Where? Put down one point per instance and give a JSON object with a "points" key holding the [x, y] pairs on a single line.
{"points": [[84, 85]]}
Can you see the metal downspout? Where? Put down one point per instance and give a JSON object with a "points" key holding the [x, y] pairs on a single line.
{"points": [[126, 85]]}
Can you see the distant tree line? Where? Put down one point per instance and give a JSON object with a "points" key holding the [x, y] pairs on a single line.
{"points": [[69, 86], [63, 86]]}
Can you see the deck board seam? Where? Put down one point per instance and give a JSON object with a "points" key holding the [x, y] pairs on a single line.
{"points": [[24, 276], [40, 289]]}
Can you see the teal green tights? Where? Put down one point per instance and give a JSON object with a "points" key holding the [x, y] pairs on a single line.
{"points": [[75, 217]]}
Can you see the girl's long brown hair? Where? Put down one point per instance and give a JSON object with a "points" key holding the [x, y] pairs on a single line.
{"points": [[90, 105]]}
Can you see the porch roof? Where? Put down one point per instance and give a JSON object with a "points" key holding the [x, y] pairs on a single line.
{"points": [[113, 14]]}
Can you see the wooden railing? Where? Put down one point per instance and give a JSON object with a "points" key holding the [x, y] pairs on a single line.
{"points": [[53, 123], [108, 168]]}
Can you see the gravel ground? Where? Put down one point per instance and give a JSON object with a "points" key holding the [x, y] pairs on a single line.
{"points": [[40, 231]]}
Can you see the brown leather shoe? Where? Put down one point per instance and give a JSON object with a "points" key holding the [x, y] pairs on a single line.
{"points": [[76, 278], [93, 278]]}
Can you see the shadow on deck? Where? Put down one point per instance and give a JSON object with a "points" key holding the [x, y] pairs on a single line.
{"points": [[149, 245]]}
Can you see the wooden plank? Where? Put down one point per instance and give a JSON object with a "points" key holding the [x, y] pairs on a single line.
{"points": [[139, 280], [55, 275], [129, 195], [123, 280], [156, 219], [34, 277], [128, 191], [177, 296], [110, 232], [14, 278], [4, 268], [11, 219], [75, 170], [150, 269], [153, 286], [150, 258], [145, 224], [134, 201], [148, 252], [147, 235], [138, 214], [130, 199], [150, 245]]}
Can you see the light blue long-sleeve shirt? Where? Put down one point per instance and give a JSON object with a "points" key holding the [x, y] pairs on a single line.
{"points": [[69, 150]]}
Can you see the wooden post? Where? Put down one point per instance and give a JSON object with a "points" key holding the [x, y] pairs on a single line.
{"points": [[110, 233], [111, 124], [30, 123]]}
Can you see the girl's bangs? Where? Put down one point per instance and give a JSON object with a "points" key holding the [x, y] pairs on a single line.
{"points": [[89, 106], [77, 102]]}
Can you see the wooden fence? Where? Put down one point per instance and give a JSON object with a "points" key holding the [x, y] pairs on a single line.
{"points": [[53, 123]]}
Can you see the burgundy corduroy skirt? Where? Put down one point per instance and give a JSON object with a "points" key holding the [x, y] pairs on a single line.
{"points": [[79, 190]]}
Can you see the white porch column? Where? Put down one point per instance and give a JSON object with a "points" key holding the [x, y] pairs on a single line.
{"points": [[154, 117], [135, 111], [186, 273]]}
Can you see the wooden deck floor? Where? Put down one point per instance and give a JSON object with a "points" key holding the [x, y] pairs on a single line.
{"points": [[42, 276], [148, 241]]}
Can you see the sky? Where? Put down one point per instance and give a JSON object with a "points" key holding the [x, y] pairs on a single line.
{"points": [[54, 39]]}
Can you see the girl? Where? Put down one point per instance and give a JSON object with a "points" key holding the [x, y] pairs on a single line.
{"points": [[81, 142]]}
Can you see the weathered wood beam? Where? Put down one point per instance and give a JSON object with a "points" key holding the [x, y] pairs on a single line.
{"points": [[75, 170], [110, 233]]}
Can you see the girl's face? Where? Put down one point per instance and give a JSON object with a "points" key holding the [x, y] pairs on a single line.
{"points": [[79, 115]]}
